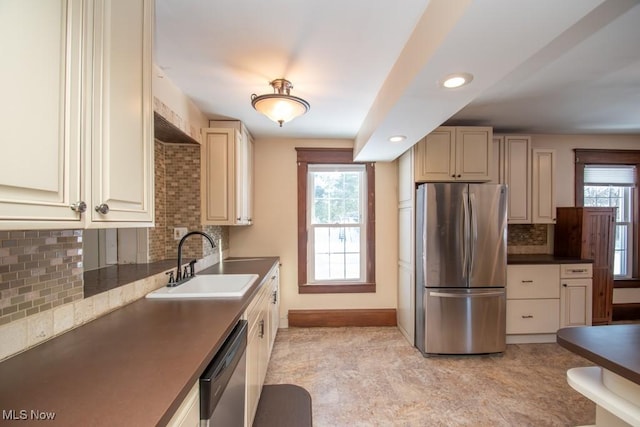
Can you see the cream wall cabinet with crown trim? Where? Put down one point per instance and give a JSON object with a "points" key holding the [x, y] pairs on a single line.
{"points": [[450, 153], [88, 150], [543, 191], [227, 174], [517, 176], [530, 176]]}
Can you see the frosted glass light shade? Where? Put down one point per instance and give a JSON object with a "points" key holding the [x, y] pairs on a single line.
{"points": [[280, 106]]}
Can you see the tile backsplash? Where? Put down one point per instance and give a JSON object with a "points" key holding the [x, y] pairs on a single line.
{"points": [[530, 239], [39, 270]]}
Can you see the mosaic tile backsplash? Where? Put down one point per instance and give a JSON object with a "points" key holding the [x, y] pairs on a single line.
{"points": [[529, 239], [39, 270]]}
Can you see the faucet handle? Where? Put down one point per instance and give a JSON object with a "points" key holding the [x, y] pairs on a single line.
{"points": [[185, 272], [172, 280], [192, 268]]}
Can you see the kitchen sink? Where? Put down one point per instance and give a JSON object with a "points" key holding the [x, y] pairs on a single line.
{"points": [[208, 286]]}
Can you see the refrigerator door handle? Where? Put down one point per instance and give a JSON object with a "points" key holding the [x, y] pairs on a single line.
{"points": [[465, 295], [474, 231], [465, 234]]}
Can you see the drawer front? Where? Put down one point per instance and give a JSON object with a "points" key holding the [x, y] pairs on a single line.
{"points": [[533, 316], [576, 271], [533, 281]]}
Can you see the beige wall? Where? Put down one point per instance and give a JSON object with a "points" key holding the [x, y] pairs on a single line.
{"points": [[274, 229], [564, 146]]}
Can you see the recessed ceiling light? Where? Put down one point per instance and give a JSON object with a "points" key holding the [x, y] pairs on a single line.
{"points": [[456, 80], [397, 138]]}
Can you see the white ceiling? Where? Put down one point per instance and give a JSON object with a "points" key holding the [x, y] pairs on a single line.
{"points": [[370, 70]]}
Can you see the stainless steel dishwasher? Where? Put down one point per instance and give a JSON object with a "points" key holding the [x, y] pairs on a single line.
{"points": [[222, 386]]}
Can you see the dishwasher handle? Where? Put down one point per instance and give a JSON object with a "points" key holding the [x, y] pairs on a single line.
{"points": [[216, 377]]}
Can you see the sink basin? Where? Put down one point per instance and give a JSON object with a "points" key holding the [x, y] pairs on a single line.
{"points": [[208, 286]]}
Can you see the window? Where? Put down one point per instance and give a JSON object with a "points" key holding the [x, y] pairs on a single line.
{"points": [[607, 178], [336, 207], [612, 186]]}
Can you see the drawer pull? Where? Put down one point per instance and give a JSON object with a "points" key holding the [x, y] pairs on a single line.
{"points": [[581, 270], [528, 316], [527, 281]]}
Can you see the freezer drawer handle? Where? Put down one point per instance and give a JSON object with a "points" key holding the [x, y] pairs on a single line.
{"points": [[527, 281], [478, 295], [528, 316]]}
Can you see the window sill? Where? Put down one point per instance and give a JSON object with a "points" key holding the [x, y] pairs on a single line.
{"points": [[333, 288]]}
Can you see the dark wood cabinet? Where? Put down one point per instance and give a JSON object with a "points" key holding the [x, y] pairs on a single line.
{"points": [[589, 233]]}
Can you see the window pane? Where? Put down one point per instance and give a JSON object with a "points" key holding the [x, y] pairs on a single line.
{"points": [[337, 253], [336, 197]]}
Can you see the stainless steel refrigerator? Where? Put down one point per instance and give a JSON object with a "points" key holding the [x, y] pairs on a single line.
{"points": [[461, 268]]}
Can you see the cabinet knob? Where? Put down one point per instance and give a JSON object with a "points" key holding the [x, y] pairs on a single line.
{"points": [[103, 209], [564, 284], [453, 176], [79, 207], [459, 175]]}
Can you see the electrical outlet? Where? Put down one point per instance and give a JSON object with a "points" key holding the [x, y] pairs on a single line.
{"points": [[179, 232]]}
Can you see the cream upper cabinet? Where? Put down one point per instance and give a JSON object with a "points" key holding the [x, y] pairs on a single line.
{"points": [[89, 89], [121, 125], [517, 173], [40, 113], [496, 173], [455, 154], [227, 175], [543, 191]]}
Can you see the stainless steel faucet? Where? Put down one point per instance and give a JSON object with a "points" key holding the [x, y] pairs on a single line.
{"points": [[180, 276]]}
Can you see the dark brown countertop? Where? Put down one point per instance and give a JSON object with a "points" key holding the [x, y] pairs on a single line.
{"points": [[133, 366], [107, 278], [614, 347], [544, 259]]}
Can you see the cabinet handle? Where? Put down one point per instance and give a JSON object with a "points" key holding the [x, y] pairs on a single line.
{"points": [[581, 270], [261, 334], [528, 316], [103, 209], [79, 207], [527, 281], [275, 297]]}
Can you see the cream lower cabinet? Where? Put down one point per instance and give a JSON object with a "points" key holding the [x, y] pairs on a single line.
{"points": [[78, 114], [227, 175], [262, 332], [533, 302], [188, 413], [406, 250], [544, 298], [576, 295], [462, 153]]}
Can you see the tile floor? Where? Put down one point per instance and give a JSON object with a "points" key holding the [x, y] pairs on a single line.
{"points": [[373, 377]]}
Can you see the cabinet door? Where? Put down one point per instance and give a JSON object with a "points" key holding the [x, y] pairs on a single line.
{"points": [[40, 113], [496, 173], [274, 309], [217, 185], [474, 147], [121, 121], [543, 199], [253, 383], [436, 156], [517, 164], [244, 178], [597, 244], [575, 302]]}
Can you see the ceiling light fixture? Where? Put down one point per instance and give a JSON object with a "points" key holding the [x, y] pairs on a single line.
{"points": [[456, 80], [397, 138], [280, 106]]}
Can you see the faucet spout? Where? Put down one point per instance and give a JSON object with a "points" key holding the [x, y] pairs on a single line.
{"points": [[179, 275]]}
